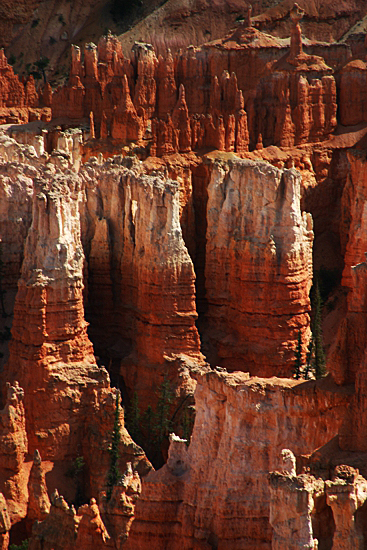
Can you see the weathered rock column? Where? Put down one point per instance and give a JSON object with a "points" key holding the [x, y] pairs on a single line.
{"points": [[345, 494], [291, 504], [258, 267]]}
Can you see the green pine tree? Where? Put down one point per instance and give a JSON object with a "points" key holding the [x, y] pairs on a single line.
{"points": [[113, 473], [309, 358], [147, 424], [132, 419], [298, 357], [2, 291], [319, 358], [187, 424], [163, 422]]}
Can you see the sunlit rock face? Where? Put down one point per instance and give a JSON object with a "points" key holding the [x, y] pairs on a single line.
{"points": [[258, 267]]}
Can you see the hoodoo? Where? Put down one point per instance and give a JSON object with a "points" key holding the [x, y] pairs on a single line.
{"points": [[183, 247]]}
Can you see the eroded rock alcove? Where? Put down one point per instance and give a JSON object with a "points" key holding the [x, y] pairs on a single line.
{"points": [[163, 217]]}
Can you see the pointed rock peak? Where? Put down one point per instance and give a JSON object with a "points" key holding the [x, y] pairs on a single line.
{"points": [[181, 94], [76, 82], [54, 496], [259, 144], [191, 51], [90, 47], [75, 52], [5, 524], [247, 21], [296, 13], [126, 100], [3, 60], [91, 125], [125, 85], [240, 103], [37, 458]]}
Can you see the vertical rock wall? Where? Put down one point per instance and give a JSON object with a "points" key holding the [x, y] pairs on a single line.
{"points": [[215, 493], [258, 267], [149, 283]]}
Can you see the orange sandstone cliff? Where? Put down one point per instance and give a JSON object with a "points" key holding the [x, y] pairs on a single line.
{"points": [[164, 209]]}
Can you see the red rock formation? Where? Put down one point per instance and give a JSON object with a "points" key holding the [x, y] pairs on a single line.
{"points": [[258, 267], [216, 491], [294, 498], [291, 505], [145, 86], [164, 138], [153, 316], [347, 362], [12, 91], [166, 85], [16, 189], [14, 446], [64, 528], [180, 120], [294, 110], [5, 524], [59, 530], [126, 125], [118, 512], [93, 87], [353, 228], [31, 96], [353, 99], [38, 501], [346, 356], [91, 530], [69, 100], [289, 105], [18, 105], [345, 494], [50, 351]]}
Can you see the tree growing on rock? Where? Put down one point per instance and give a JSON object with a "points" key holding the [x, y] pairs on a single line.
{"points": [[132, 419], [319, 354], [298, 357], [113, 473], [163, 422]]}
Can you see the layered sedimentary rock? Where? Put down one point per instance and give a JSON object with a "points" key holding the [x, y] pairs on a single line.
{"points": [[14, 447], [18, 103], [258, 267], [291, 505], [306, 512], [45, 333], [67, 395], [287, 99], [216, 491], [5, 524], [38, 501], [64, 527], [353, 99], [150, 284], [348, 364], [16, 190], [345, 494], [294, 106], [353, 227], [347, 353]]}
